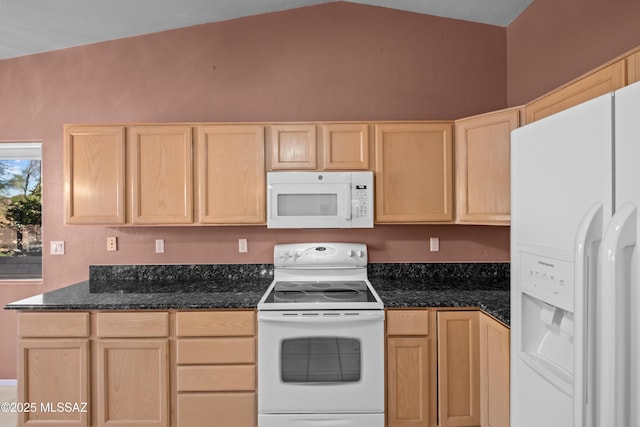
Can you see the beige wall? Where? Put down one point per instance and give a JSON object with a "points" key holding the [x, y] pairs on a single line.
{"points": [[555, 41], [338, 61]]}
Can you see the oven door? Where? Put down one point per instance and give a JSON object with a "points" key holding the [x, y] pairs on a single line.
{"points": [[321, 362]]}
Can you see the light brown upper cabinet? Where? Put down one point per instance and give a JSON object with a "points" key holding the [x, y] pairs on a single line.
{"points": [[414, 172], [482, 167], [293, 146], [94, 174], [231, 174], [345, 146], [161, 174], [598, 83], [633, 68]]}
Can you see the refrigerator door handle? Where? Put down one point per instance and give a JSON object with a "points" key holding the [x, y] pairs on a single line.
{"points": [[588, 236], [611, 330]]}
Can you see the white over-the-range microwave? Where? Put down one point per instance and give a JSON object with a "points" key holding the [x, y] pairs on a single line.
{"points": [[320, 199]]}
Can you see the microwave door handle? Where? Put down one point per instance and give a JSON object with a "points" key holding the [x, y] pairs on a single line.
{"points": [[347, 202]]}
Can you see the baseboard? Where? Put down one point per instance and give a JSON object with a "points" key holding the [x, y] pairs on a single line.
{"points": [[8, 383]]}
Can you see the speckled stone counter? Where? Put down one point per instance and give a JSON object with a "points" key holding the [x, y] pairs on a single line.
{"points": [[241, 286]]}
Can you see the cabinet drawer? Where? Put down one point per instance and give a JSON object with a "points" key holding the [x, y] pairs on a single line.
{"points": [[37, 325], [217, 378], [200, 351], [132, 324], [227, 409], [215, 323], [408, 322]]}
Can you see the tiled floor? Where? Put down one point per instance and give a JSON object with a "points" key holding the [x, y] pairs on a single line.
{"points": [[7, 395]]}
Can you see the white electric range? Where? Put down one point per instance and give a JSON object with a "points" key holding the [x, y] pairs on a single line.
{"points": [[320, 339]]}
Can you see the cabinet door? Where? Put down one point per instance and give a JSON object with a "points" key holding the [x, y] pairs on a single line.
{"points": [[633, 68], [293, 147], [52, 371], [414, 173], [160, 164], [408, 378], [94, 175], [483, 167], [133, 388], [494, 373], [231, 175], [458, 368], [591, 86], [217, 409], [345, 146]]}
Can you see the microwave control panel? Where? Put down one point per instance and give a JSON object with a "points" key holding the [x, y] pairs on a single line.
{"points": [[362, 199]]}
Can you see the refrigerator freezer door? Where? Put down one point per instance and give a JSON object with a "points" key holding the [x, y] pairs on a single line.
{"points": [[627, 196], [561, 166]]}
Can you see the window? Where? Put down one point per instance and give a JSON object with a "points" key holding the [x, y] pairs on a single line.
{"points": [[20, 211]]}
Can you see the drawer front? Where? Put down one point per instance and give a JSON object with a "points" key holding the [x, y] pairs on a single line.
{"points": [[408, 322], [132, 324], [217, 378], [39, 325], [200, 351], [215, 323], [222, 409]]}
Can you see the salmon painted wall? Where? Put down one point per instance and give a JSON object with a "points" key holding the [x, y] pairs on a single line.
{"points": [[553, 42], [337, 61]]}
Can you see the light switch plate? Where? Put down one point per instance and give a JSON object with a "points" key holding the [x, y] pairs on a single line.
{"points": [[434, 244], [57, 247], [243, 246], [112, 244], [159, 246]]}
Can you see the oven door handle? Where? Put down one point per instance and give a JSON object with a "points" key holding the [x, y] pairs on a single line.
{"points": [[320, 317]]}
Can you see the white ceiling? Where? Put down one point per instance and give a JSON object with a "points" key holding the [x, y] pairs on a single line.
{"points": [[34, 26]]}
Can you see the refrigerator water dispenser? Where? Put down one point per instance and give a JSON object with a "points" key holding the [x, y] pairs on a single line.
{"points": [[547, 316]]}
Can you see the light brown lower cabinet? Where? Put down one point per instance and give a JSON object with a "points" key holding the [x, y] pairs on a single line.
{"points": [[216, 368], [143, 368], [446, 367], [494, 373], [53, 367], [410, 369], [458, 368]]}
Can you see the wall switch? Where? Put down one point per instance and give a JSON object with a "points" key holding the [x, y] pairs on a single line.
{"points": [[57, 247], [159, 246], [112, 244], [242, 246], [434, 244]]}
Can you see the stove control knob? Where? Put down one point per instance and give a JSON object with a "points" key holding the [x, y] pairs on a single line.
{"points": [[349, 253], [359, 254]]}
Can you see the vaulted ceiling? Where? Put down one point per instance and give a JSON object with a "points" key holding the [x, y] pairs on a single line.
{"points": [[35, 26]]}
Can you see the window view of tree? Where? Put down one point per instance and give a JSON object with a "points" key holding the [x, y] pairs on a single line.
{"points": [[20, 219]]}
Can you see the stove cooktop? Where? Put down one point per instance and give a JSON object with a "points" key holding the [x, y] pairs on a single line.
{"points": [[319, 291]]}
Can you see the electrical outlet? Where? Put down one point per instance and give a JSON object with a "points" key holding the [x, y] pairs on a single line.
{"points": [[112, 244], [242, 246], [434, 244], [57, 247], [159, 246]]}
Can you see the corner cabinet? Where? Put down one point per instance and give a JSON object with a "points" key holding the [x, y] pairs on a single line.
{"points": [[482, 145], [494, 373], [231, 174], [599, 82], [94, 175], [414, 172]]}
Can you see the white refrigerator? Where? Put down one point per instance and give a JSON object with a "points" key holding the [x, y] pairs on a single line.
{"points": [[575, 189]]}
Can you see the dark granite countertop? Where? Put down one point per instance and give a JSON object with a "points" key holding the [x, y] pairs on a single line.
{"points": [[220, 287]]}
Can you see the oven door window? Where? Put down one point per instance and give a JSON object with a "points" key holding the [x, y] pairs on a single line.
{"points": [[320, 360]]}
